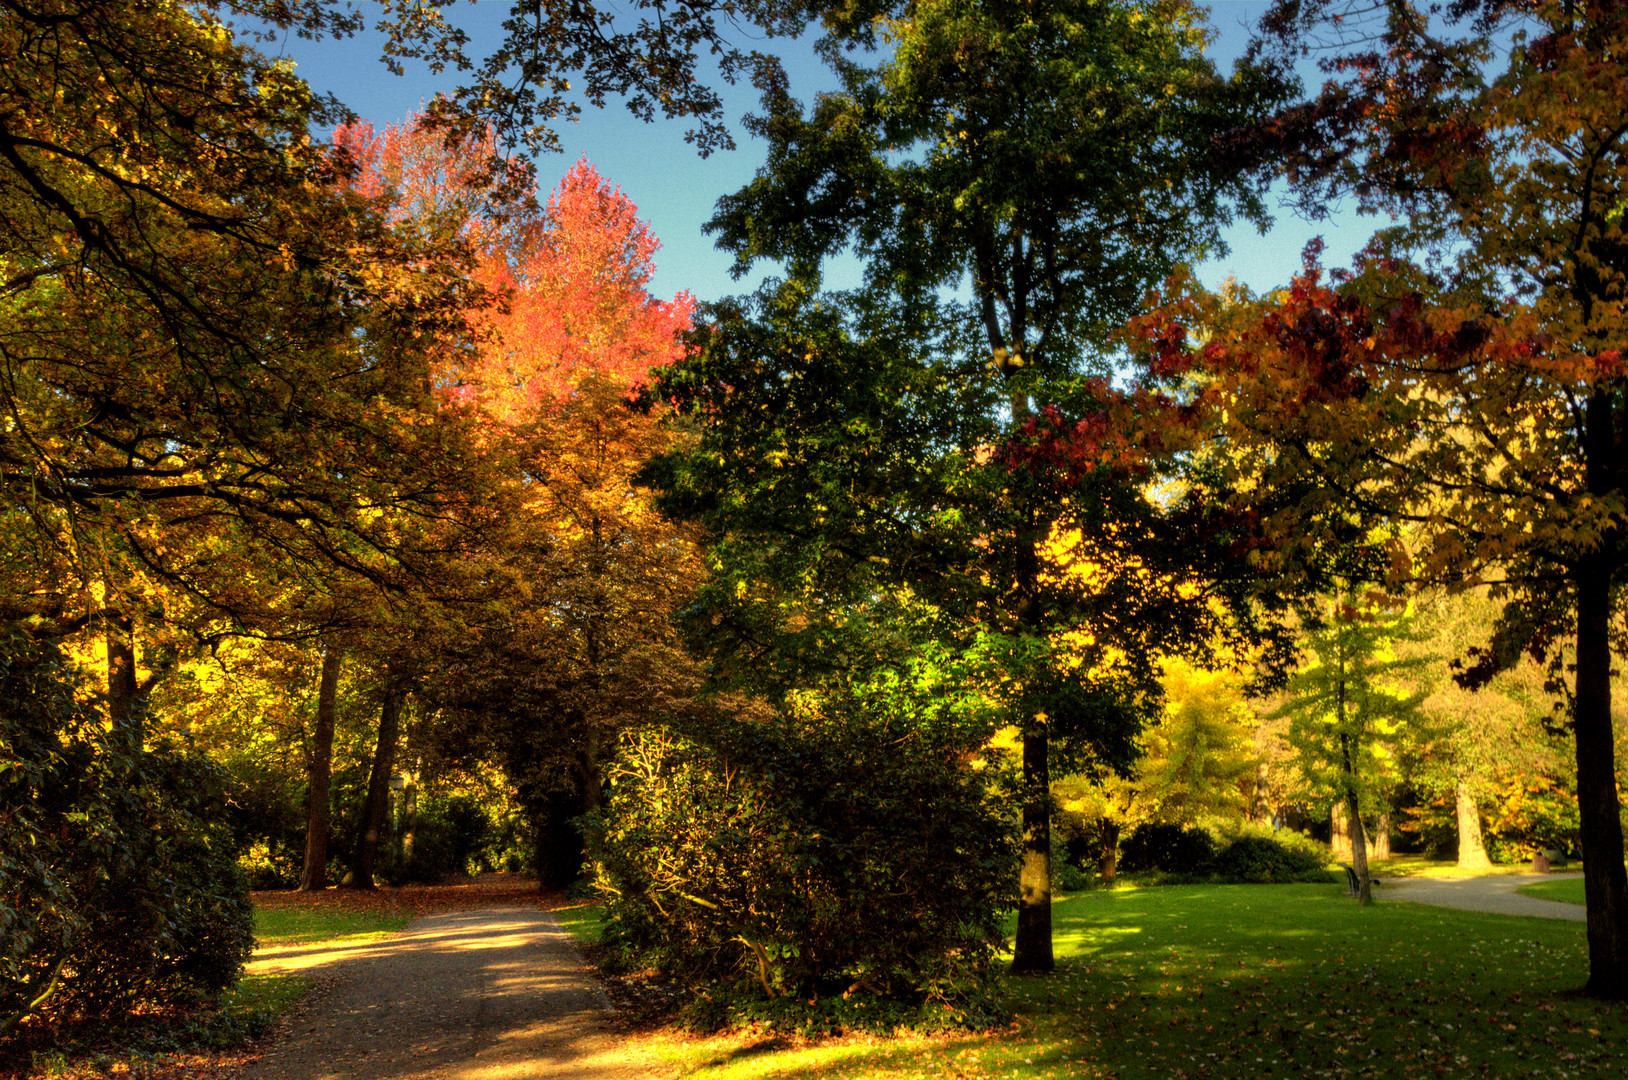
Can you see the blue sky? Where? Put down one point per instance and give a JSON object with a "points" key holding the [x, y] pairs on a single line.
{"points": [[675, 189]]}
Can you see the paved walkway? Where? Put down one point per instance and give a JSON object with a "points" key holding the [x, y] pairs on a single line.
{"points": [[1494, 892], [490, 994]]}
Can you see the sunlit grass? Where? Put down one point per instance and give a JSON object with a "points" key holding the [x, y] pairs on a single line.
{"points": [[580, 920], [275, 926], [1242, 981], [1568, 889]]}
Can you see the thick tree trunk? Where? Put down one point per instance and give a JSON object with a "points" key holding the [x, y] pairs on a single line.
{"points": [[314, 875], [1031, 951], [1261, 813], [1339, 830], [378, 790], [1472, 849], [1605, 884], [1108, 863], [1382, 835]]}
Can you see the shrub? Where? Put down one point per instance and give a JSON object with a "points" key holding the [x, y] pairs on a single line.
{"points": [[118, 878], [448, 838], [1175, 849], [1264, 859], [815, 859]]}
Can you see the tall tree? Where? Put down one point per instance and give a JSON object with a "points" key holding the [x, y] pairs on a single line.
{"points": [[215, 357], [1345, 706], [314, 872], [1493, 132], [971, 452]]}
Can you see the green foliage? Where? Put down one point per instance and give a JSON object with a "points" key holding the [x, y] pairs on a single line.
{"points": [[1180, 849], [1266, 860], [1347, 705], [843, 848], [450, 836], [118, 884]]}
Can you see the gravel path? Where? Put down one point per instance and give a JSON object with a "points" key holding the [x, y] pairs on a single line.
{"points": [[490, 994], [1494, 892]]}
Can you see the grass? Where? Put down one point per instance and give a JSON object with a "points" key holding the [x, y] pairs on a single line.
{"points": [[1242, 981], [274, 925], [580, 920], [1568, 889]]}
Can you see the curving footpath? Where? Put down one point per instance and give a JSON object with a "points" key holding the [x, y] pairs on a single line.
{"points": [[489, 994], [1495, 893]]}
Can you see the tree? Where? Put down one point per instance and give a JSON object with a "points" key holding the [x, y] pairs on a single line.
{"points": [[896, 439], [1345, 707], [1496, 367], [1196, 762], [216, 358]]}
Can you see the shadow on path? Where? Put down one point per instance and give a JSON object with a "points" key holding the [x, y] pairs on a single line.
{"points": [[491, 994]]}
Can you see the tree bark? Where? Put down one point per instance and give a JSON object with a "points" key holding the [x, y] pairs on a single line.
{"points": [[122, 688], [1031, 949], [1339, 830], [1359, 842], [1605, 883], [1472, 850], [314, 875], [1382, 835], [378, 789], [1359, 850], [1108, 864]]}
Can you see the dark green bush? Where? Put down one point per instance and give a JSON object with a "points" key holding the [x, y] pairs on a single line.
{"points": [[1175, 849], [118, 878], [1261, 859], [848, 856], [449, 837]]}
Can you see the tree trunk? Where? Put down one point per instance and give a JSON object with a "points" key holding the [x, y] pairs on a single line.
{"points": [[1108, 863], [1031, 951], [1472, 850], [1339, 830], [1359, 842], [378, 789], [314, 875], [1262, 809], [122, 688], [1382, 835], [1359, 850], [1605, 883]]}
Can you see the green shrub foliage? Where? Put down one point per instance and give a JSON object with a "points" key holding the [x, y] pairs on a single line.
{"points": [[787, 865], [1175, 849], [1264, 859], [118, 877]]}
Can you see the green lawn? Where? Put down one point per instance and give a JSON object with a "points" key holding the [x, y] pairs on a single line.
{"points": [[1246, 981], [274, 926], [1568, 889]]}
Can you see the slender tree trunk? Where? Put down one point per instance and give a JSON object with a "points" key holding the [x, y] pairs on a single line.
{"points": [[1359, 842], [1605, 883], [378, 789], [1472, 850], [1359, 849], [122, 687], [314, 876], [1031, 950]]}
